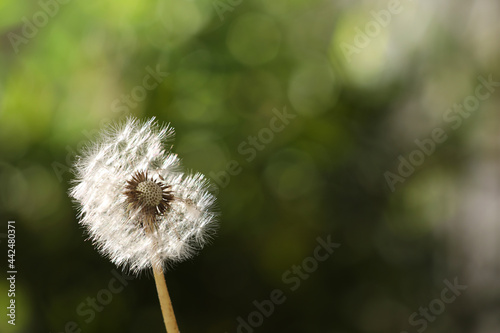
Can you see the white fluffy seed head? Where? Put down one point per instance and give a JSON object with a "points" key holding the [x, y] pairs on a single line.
{"points": [[137, 206]]}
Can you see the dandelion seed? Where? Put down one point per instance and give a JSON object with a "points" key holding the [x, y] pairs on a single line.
{"points": [[139, 209]]}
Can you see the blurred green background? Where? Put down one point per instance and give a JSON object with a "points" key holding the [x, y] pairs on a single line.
{"points": [[362, 81]]}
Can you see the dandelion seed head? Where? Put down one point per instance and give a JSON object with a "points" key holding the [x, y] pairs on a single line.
{"points": [[136, 204]]}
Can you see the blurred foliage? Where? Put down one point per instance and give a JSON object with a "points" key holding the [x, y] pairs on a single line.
{"points": [[67, 69]]}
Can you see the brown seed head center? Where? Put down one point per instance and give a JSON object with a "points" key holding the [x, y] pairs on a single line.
{"points": [[149, 193], [150, 197]]}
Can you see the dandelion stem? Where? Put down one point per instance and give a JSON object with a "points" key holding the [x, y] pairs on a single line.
{"points": [[165, 303]]}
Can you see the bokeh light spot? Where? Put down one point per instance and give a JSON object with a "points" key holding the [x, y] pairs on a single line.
{"points": [[254, 39]]}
